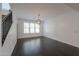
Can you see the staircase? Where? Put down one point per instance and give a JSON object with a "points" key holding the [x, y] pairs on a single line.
{"points": [[6, 24]]}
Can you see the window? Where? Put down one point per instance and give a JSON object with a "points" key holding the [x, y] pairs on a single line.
{"points": [[26, 27], [5, 6], [37, 28], [31, 28]]}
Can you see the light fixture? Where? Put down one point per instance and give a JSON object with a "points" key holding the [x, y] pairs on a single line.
{"points": [[38, 19]]}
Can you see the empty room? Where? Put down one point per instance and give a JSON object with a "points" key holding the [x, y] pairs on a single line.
{"points": [[39, 29]]}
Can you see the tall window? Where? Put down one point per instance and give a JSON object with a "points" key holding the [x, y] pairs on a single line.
{"points": [[37, 28], [26, 27], [31, 28]]}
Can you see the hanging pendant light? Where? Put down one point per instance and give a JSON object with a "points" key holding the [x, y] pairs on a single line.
{"points": [[38, 20]]}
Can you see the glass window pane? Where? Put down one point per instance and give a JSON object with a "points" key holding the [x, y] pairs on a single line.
{"points": [[26, 30], [37, 25], [31, 30], [31, 27], [26, 27], [37, 28]]}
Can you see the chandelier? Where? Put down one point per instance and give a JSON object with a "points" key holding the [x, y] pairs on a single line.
{"points": [[38, 20]]}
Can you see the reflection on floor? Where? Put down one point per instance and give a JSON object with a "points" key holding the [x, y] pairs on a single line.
{"points": [[42, 46]]}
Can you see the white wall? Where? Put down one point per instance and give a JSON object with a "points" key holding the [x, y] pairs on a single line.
{"points": [[61, 21], [21, 33], [11, 39], [64, 28]]}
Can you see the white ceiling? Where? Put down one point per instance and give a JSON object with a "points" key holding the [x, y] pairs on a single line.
{"points": [[30, 11]]}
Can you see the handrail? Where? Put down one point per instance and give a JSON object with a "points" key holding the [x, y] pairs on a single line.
{"points": [[6, 24], [4, 19]]}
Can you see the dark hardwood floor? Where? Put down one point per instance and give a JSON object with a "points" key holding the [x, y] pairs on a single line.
{"points": [[42, 46]]}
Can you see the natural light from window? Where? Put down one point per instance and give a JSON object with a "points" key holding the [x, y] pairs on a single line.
{"points": [[31, 27], [26, 27], [37, 28]]}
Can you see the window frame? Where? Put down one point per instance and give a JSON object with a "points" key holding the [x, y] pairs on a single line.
{"points": [[30, 28], [25, 27]]}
